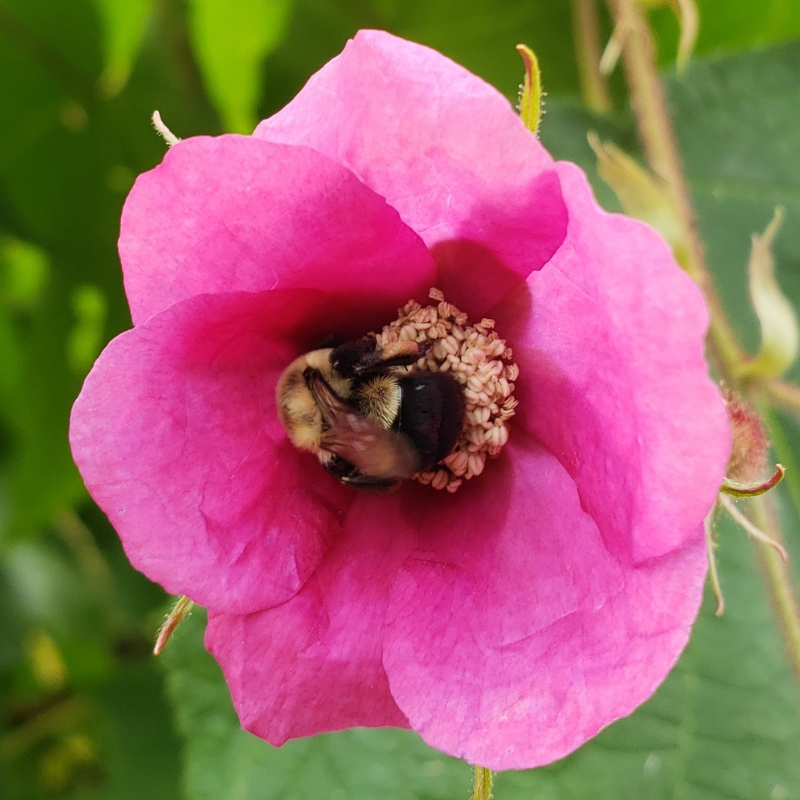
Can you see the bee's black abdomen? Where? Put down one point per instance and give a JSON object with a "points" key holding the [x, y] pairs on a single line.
{"points": [[431, 414]]}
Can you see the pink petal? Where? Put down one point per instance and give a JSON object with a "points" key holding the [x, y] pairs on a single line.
{"points": [[177, 438], [609, 341], [514, 636], [313, 664], [445, 149], [237, 214]]}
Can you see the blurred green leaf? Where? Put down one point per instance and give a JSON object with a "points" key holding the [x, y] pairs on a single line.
{"points": [[231, 39], [113, 742], [86, 338], [81, 702], [142, 753], [51, 591], [24, 269], [67, 158], [60, 36], [732, 25], [124, 27]]}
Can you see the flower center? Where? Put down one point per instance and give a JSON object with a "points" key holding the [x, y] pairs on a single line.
{"points": [[481, 362]]}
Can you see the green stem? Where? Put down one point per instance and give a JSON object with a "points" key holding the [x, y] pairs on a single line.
{"points": [[751, 528], [784, 452], [483, 784], [783, 394], [586, 32], [779, 579]]}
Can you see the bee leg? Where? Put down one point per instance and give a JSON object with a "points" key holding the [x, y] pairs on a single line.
{"points": [[370, 484], [346, 358], [395, 354]]}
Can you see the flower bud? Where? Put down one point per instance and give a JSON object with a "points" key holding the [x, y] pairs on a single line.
{"points": [[530, 96], [780, 335], [748, 460]]}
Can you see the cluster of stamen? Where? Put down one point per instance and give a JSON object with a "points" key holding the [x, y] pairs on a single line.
{"points": [[480, 360]]}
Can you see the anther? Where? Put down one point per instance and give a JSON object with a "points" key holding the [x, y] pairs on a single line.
{"points": [[482, 362]]}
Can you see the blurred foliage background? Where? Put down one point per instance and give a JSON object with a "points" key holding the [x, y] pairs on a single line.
{"points": [[85, 710]]}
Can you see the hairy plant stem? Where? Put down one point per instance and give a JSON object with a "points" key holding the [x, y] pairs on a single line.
{"points": [[778, 576], [483, 784], [586, 32], [655, 129], [783, 394]]}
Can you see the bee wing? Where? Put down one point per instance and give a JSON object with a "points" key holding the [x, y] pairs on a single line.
{"points": [[374, 451]]}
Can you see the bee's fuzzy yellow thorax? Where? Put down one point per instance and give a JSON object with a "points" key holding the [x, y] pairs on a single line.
{"points": [[380, 398]]}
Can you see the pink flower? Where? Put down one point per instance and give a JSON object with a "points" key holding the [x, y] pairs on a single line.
{"points": [[507, 623]]}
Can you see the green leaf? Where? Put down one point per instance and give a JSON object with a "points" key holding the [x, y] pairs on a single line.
{"points": [[732, 25], [142, 755], [24, 271], [113, 742], [726, 724], [231, 39], [124, 27], [82, 714], [86, 338], [67, 158], [23, 274]]}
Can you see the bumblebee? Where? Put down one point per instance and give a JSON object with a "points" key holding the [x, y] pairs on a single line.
{"points": [[370, 424]]}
